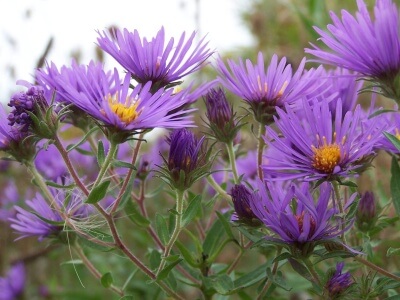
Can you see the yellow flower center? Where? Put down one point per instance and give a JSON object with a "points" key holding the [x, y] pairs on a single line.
{"points": [[126, 112], [397, 134], [326, 157]]}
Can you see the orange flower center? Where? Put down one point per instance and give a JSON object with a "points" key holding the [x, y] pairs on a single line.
{"points": [[326, 157]]}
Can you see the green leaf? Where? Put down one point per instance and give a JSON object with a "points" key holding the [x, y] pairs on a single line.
{"points": [[134, 215], [59, 186], [101, 155], [122, 164], [187, 255], [392, 251], [73, 146], [251, 278], [395, 184], [223, 284], [162, 229], [213, 238], [393, 139], [226, 225], [301, 269], [349, 184], [96, 235], [192, 210], [107, 280], [98, 193], [127, 297], [155, 259], [164, 272]]}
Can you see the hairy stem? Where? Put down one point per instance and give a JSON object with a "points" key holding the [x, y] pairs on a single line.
{"points": [[376, 268], [260, 149], [314, 274], [177, 229], [110, 155], [232, 161], [268, 283], [218, 188]]}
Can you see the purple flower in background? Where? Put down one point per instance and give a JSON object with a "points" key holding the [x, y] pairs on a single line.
{"points": [[371, 48], [294, 217], [265, 90], [366, 214], [391, 122], [9, 198], [153, 60], [13, 284], [28, 223], [339, 283], [322, 145]]}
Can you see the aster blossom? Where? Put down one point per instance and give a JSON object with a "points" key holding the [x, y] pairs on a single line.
{"points": [[358, 43], [112, 102], [265, 90], [152, 60], [322, 145], [45, 221], [13, 284], [296, 220]]}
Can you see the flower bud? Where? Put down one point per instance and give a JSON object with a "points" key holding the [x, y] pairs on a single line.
{"points": [[241, 197], [188, 160], [338, 283], [366, 213], [220, 116]]}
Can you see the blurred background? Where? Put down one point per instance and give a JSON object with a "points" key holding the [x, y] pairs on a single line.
{"points": [[35, 31]]}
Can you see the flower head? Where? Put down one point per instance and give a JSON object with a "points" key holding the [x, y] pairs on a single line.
{"points": [[152, 60], [115, 105], [339, 283], [13, 284], [46, 221], [295, 218], [369, 47], [265, 90], [323, 145]]}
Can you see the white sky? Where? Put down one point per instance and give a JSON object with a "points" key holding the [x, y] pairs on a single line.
{"points": [[73, 23]]}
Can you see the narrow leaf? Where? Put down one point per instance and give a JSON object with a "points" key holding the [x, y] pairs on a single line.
{"points": [[191, 210], [395, 184], [107, 280], [101, 156], [162, 229], [98, 193], [393, 139], [226, 225], [134, 215], [164, 272]]}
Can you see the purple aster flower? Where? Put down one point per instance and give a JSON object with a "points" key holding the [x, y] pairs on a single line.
{"points": [[108, 100], [9, 198], [152, 60], [241, 198], [265, 90], [13, 284], [371, 48], [323, 145], [339, 283], [188, 160], [294, 217], [44, 220]]}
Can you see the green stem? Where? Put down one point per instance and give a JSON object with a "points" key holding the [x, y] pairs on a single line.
{"points": [[42, 185], [93, 270], [310, 268], [376, 268], [232, 161], [106, 164], [218, 188], [128, 175], [260, 149], [177, 229], [268, 283], [340, 205]]}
